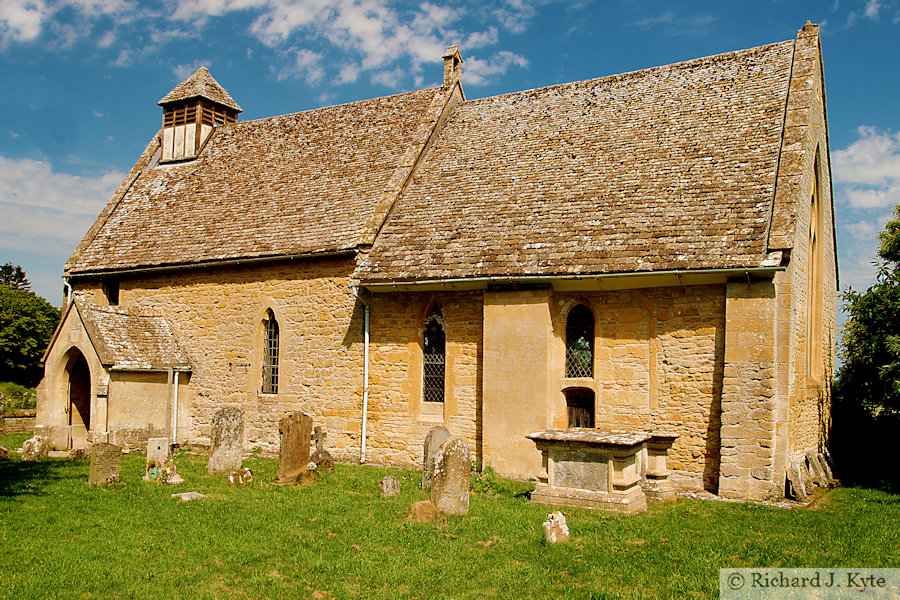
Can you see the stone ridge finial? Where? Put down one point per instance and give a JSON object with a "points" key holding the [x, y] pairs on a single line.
{"points": [[810, 27], [452, 65]]}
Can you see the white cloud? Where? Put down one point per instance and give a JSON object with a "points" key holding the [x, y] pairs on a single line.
{"points": [[480, 71], [478, 39], [516, 15], [389, 78], [21, 20], [872, 8], [678, 25], [47, 212], [184, 71], [868, 170], [305, 64]]}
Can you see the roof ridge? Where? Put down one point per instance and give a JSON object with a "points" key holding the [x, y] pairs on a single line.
{"points": [[711, 59]]}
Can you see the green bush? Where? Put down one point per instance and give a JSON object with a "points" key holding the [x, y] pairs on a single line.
{"points": [[14, 396]]}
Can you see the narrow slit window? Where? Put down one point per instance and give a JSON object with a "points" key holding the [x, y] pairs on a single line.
{"points": [[434, 360], [580, 342], [270, 358]]}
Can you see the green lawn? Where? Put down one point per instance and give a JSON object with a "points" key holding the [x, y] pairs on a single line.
{"points": [[60, 538]]}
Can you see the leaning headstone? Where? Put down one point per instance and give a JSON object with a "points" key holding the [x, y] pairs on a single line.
{"points": [[450, 482], [35, 448], [555, 529], [226, 440], [797, 487], [436, 436], [4, 453], [815, 469], [389, 486], [105, 460], [295, 430], [825, 466]]}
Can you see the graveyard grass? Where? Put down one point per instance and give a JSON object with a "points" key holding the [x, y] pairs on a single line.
{"points": [[61, 538]]}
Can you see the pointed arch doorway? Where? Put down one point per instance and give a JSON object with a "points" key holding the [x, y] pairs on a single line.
{"points": [[78, 407]]}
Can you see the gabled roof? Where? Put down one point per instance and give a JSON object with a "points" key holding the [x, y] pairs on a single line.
{"points": [[313, 182], [128, 339], [662, 169], [201, 84]]}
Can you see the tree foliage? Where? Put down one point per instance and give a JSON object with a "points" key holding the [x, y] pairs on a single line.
{"points": [[27, 322], [14, 276], [871, 340]]}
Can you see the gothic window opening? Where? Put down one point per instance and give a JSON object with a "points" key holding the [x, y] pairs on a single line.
{"points": [[434, 355], [580, 342], [814, 283], [270, 355]]}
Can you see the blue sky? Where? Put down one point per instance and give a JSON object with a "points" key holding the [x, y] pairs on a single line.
{"points": [[79, 82]]}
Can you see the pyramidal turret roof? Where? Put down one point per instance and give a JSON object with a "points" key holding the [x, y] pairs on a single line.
{"points": [[201, 84]]}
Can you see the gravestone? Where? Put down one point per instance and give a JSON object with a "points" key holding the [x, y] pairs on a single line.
{"points": [[295, 430], [825, 466], [322, 458], [555, 529], [157, 451], [240, 477], [105, 460], [433, 440], [389, 486], [795, 480], [35, 448], [815, 469], [450, 481], [226, 440], [423, 512]]}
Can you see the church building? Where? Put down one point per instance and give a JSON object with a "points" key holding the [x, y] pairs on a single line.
{"points": [[652, 251]]}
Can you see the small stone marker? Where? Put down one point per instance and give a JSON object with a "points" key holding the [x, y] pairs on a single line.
{"points": [[555, 529], [240, 477], [389, 486], [105, 460], [433, 440], [322, 458], [226, 440], [188, 496], [4, 453], [450, 482], [35, 448], [797, 489], [423, 512], [295, 430]]}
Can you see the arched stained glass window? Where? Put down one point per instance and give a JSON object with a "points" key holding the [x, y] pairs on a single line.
{"points": [[270, 356], [433, 359], [580, 342]]}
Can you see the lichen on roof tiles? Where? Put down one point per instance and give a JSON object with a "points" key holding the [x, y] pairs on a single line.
{"points": [[667, 168], [203, 85]]}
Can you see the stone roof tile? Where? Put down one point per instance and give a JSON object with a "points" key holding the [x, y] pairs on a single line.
{"points": [[667, 168], [200, 84]]}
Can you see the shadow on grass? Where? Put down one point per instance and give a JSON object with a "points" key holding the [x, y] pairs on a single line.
{"points": [[33, 477]]}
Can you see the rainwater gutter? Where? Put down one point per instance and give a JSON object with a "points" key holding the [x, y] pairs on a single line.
{"points": [[175, 412], [365, 410], [766, 271]]}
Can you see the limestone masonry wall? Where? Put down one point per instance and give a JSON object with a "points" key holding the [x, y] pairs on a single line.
{"points": [[218, 316]]}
